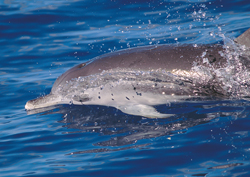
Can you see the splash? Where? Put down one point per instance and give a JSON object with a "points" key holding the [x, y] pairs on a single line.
{"points": [[233, 79]]}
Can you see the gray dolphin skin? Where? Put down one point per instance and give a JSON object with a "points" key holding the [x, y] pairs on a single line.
{"points": [[134, 80], [168, 57]]}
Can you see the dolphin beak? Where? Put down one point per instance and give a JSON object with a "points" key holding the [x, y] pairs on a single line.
{"points": [[45, 101], [29, 105]]}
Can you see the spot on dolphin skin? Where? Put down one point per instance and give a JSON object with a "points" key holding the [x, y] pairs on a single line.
{"points": [[127, 98], [137, 93]]}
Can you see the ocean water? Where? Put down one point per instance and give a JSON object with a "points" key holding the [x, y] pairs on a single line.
{"points": [[41, 39]]}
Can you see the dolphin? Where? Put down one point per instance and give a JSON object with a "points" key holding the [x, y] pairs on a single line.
{"points": [[134, 80]]}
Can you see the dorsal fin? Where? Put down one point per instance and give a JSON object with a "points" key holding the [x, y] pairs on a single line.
{"points": [[244, 39]]}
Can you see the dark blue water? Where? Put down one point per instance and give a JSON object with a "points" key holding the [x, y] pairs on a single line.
{"points": [[41, 39]]}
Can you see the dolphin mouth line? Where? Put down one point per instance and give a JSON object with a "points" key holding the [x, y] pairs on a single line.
{"points": [[52, 100]]}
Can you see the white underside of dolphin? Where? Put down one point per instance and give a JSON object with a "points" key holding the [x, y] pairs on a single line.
{"points": [[124, 96], [136, 80]]}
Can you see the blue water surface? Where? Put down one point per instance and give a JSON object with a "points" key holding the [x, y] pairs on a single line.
{"points": [[41, 39]]}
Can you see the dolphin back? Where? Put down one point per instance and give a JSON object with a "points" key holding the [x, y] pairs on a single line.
{"points": [[167, 57]]}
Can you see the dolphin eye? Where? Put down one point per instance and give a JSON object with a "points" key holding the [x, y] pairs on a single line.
{"points": [[83, 98]]}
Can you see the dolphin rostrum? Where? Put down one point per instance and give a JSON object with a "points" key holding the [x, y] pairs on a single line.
{"points": [[134, 80]]}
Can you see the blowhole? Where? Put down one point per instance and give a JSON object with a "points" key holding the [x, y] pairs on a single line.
{"points": [[82, 65]]}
